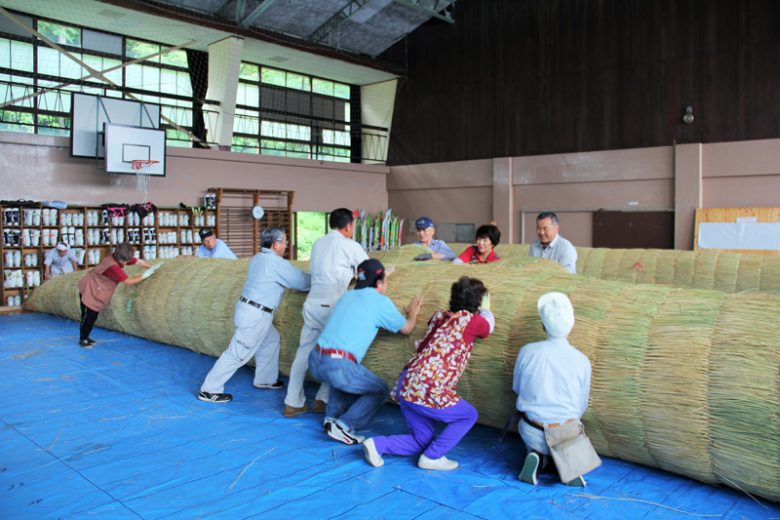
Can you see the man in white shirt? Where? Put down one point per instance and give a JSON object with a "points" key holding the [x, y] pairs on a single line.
{"points": [[334, 260], [552, 383], [59, 260], [551, 245]]}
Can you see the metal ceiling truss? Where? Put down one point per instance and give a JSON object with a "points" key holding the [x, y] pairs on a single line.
{"points": [[255, 14], [334, 21], [439, 9]]}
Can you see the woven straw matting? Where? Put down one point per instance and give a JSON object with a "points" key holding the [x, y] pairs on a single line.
{"points": [[685, 380], [728, 272]]}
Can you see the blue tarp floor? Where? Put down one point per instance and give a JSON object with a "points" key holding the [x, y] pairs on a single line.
{"points": [[116, 432]]}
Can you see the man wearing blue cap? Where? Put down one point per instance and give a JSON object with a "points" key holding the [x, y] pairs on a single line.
{"points": [[439, 249]]}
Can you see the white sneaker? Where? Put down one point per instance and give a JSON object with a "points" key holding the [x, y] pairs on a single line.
{"points": [[442, 464], [337, 432], [371, 455]]}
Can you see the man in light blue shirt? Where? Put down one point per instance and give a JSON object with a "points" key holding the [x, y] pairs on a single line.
{"points": [[426, 229], [552, 383], [352, 327], [269, 275], [551, 245], [212, 247]]}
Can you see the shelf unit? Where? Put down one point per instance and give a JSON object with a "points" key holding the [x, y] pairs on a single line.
{"points": [[236, 226], [29, 231]]}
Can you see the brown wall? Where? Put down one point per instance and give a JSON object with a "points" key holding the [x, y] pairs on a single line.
{"points": [[518, 78], [449, 193], [40, 168], [681, 178]]}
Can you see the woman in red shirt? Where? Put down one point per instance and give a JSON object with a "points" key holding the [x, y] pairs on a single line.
{"points": [[97, 288], [488, 237], [426, 389]]}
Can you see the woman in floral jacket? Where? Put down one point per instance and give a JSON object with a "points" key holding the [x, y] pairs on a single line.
{"points": [[426, 389]]}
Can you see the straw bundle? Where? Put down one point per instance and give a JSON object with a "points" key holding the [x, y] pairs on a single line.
{"points": [[727, 272], [684, 380]]}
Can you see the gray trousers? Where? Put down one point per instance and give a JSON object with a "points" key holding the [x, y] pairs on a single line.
{"points": [[254, 335], [315, 316]]}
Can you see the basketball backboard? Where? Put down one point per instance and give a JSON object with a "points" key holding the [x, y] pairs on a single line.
{"points": [[128, 147], [89, 114]]}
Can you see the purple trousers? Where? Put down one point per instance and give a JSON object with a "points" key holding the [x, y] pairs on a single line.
{"points": [[422, 437]]}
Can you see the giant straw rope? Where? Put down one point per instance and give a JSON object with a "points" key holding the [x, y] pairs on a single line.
{"points": [[685, 380]]}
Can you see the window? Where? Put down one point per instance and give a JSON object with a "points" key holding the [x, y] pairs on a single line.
{"points": [[292, 114], [162, 77]]}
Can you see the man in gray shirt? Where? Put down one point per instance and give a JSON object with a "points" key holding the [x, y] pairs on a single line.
{"points": [[255, 335], [551, 245]]}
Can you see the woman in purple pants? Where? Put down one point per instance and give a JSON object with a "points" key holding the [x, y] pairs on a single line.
{"points": [[426, 389]]}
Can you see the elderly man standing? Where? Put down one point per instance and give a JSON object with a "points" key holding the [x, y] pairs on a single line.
{"points": [[334, 261], [552, 382], [213, 247], [269, 275], [59, 260], [439, 248], [551, 245], [352, 327]]}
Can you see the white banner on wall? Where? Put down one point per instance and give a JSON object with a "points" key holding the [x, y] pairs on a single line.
{"points": [[739, 235]]}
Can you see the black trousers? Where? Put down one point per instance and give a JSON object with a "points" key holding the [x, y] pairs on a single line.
{"points": [[88, 319]]}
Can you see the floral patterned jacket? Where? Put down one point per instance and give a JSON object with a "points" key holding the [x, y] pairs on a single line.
{"points": [[432, 376]]}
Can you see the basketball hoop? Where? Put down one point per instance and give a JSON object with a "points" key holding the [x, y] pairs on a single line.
{"points": [[139, 164]]}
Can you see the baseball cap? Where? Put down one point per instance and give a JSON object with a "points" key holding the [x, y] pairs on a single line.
{"points": [[423, 223], [557, 314], [368, 272], [62, 247], [205, 233]]}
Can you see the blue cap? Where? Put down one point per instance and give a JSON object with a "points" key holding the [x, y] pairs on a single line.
{"points": [[423, 223]]}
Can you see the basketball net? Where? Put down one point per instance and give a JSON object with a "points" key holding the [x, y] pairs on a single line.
{"points": [[142, 179]]}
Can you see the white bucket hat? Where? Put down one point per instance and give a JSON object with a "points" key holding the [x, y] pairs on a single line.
{"points": [[62, 247], [557, 314]]}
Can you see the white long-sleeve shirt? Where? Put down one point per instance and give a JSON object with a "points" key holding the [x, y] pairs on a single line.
{"points": [[552, 381], [334, 261]]}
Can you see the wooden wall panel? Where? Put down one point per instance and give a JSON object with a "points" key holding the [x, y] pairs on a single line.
{"points": [[532, 77]]}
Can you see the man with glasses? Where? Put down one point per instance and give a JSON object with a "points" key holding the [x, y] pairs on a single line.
{"points": [[551, 245], [439, 249], [269, 275]]}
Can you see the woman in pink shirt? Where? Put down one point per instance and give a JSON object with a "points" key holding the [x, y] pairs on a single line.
{"points": [[426, 389]]}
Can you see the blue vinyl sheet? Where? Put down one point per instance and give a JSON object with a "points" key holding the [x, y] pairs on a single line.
{"points": [[116, 432]]}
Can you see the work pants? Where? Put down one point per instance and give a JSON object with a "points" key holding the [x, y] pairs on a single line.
{"points": [[254, 335], [315, 316]]}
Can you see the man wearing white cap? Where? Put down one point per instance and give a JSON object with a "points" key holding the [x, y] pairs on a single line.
{"points": [[59, 260], [552, 383]]}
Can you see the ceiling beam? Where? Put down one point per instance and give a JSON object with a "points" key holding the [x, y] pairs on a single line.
{"points": [[334, 21], [435, 11], [255, 14]]}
